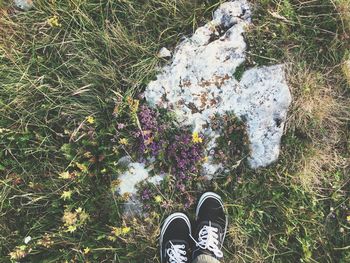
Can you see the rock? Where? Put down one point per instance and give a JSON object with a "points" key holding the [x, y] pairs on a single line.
{"points": [[164, 53], [27, 239], [129, 180], [135, 174], [200, 82], [24, 5], [124, 161], [264, 102]]}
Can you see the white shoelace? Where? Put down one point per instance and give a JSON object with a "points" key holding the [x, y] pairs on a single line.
{"points": [[177, 253], [209, 240]]}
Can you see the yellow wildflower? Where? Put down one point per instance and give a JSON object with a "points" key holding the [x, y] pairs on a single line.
{"points": [[4, 130], [73, 220], [126, 196], [86, 250], [115, 183], [124, 141], [69, 218], [158, 198], [125, 230], [54, 21], [148, 141], [112, 238], [66, 195], [134, 107], [88, 154], [19, 253], [83, 216], [71, 229], [119, 231], [82, 167], [45, 241], [133, 104], [116, 231], [65, 175], [90, 119], [129, 100], [348, 218], [196, 138]]}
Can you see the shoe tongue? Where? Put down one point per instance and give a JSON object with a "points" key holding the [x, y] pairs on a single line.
{"points": [[209, 223]]}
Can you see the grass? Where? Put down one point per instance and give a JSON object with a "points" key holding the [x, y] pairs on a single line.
{"points": [[66, 69]]}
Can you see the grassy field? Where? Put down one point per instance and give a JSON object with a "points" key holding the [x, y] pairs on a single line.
{"points": [[68, 71]]}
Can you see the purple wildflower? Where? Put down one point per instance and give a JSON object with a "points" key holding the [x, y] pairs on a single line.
{"points": [[184, 155], [172, 149], [146, 194], [148, 118], [120, 126]]}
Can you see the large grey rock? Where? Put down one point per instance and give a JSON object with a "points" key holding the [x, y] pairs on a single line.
{"points": [[200, 82]]}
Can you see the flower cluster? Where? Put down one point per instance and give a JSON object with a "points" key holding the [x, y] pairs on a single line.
{"points": [[177, 150], [151, 137], [148, 118], [19, 252], [73, 220], [146, 194], [54, 21], [118, 232], [184, 155]]}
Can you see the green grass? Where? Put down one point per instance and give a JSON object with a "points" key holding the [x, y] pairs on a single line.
{"points": [[53, 78]]}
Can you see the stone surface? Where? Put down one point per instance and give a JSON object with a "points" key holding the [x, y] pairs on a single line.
{"points": [[24, 5], [134, 174], [199, 83], [264, 101], [164, 53]]}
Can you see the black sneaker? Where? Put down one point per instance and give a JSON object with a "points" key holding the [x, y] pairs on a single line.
{"points": [[211, 226], [175, 239]]}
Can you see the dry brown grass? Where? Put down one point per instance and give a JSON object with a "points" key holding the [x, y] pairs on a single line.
{"points": [[346, 70], [10, 32], [318, 108], [319, 111], [318, 166], [343, 8], [238, 237], [240, 243]]}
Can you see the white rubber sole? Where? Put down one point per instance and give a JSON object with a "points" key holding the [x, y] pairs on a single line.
{"points": [[167, 222]]}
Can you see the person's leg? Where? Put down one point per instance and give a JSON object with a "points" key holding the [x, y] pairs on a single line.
{"points": [[205, 259], [210, 231], [175, 239]]}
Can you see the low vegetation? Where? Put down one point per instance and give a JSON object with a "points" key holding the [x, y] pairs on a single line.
{"points": [[71, 79]]}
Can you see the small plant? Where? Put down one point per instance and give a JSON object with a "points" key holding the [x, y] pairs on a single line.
{"points": [[233, 144], [169, 148]]}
